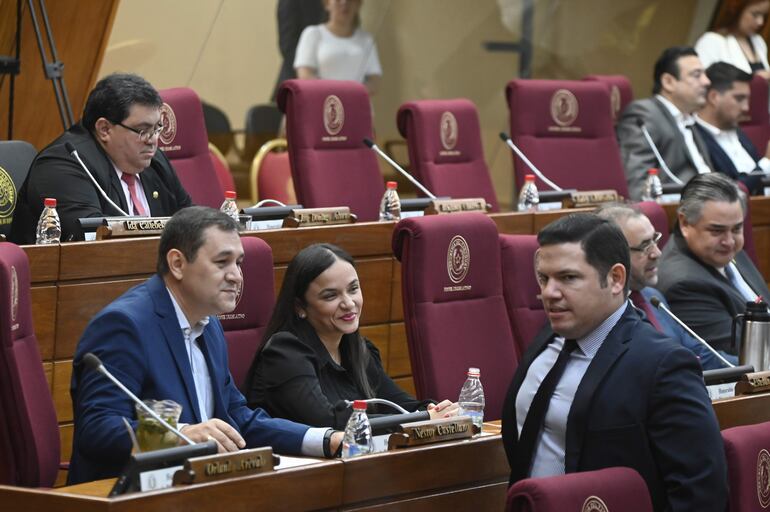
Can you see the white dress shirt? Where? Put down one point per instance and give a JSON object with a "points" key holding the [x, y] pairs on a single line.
{"points": [[730, 143], [684, 122]]}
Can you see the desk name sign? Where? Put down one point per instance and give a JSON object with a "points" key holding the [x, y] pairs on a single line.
{"points": [[442, 206], [319, 217], [226, 465], [122, 227], [757, 382], [590, 198], [432, 431]]}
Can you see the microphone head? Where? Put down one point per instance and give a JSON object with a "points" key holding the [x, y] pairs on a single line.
{"points": [[639, 122], [369, 143], [91, 361], [655, 301], [69, 147], [504, 136]]}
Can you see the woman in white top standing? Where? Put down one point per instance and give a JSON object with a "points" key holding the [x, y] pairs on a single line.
{"points": [[339, 49], [739, 41]]}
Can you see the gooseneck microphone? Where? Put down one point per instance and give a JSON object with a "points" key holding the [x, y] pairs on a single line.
{"points": [[93, 363], [659, 305], [504, 136], [370, 144], [74, 152], [654, 148]]}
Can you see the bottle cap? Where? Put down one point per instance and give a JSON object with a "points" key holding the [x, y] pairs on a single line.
{"points": [[474, 371], [529, 177], [50, 202], [392, 184], [230, 194], [653, 171], [359, 405]]}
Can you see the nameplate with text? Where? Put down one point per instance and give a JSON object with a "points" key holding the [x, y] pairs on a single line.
{"points": [[319, 217], [590, 198], [226, 465], [433, 431], [442, 206], [122, 227], [757, 382]]}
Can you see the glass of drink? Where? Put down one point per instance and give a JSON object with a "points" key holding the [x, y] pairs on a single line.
{"points": [[150, 434]]}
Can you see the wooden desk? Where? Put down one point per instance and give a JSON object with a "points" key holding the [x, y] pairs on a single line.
{"points": [[742, 410], [469, 474]]}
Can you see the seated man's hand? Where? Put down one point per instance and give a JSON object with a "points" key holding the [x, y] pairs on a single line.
{"points": [[335, 443], [443, 409], [228, 439]]}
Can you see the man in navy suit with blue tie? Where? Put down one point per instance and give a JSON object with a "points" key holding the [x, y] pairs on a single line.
{"points": [[163, 341]]}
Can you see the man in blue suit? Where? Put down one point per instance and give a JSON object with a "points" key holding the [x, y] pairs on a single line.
{"points": [[645, 255], [601, 387], [163, 341]]}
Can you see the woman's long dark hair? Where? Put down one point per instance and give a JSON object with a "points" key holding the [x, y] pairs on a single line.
{"points": [[303, 269]]}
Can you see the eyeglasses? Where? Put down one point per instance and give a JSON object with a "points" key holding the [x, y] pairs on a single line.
{"points": [[146, 134], [646, 246]]}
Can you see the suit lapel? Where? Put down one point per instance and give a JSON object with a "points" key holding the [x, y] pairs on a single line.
{"points": [[680, 142], [151, 189], [215, 373]]}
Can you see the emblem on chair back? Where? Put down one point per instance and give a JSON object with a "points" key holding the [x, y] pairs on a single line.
{"points": [[763, 478], [458, 262], [7, 197], [334, 117], [594, 504], [564, 111], [448, 133], [168, 133], [14, 298], [615, 100]]}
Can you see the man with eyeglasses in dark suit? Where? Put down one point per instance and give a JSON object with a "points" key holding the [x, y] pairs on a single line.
{"points": [[117, 140]]}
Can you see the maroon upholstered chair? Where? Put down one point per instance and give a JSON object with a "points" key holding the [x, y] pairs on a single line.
{"points": [[658, 219], [453, 306], [185, 143], [29, 435], [326, 123], [621, 93], [565, 128], [756, 125], [611, 489], [520, 288], [445, 150], [245, 325], [747, 450], [222, 168]]}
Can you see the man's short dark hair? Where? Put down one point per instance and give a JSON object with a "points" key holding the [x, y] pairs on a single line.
{"points": [[114, 95], [712, 186], [602, 241], [724, 75], [184, 232], [668, 62]]}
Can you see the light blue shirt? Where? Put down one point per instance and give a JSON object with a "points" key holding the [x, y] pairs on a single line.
{"points": [[548, 458]]}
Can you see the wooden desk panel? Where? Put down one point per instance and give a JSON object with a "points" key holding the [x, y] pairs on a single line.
{"points": [[44, 318], [43, 262], [742, 410]]}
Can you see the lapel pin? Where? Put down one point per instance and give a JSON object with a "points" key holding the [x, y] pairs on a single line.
{"points": [[154, 194]]}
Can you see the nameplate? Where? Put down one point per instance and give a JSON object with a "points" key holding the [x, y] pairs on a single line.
{"points": [[433, 431], [590, 198], [757, 382], [720, 391], [122, 227], [319, 217], [442, 206], [226, 465]]}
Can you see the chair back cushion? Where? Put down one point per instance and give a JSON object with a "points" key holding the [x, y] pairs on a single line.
{"points": [[445, 150], [245, 325], [185, 143], [274, 178], [621, 93], [15, 159], [453, 306], [756, 124], [326, 123], [565, 129], [25, 396], [747, 450]]}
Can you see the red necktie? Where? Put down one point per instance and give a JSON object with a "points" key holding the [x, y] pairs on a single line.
{"points": [[130, 180], [640, 302]]}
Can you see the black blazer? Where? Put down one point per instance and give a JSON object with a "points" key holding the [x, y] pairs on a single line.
{"points": [[55, 173], [724, 164], [641, 404]]}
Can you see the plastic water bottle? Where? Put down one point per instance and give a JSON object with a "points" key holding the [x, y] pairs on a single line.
{"points": [[653, 190], [471, 399], [358, 432], [528, 196], [49, 226], [229, 206], [390, 206]]}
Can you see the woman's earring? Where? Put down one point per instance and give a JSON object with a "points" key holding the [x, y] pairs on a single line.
{"points": [[301, 315]]}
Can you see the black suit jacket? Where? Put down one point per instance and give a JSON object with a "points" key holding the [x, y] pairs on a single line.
{"points": [[702, 297], [724, 164], [641, 404], [55, 173]]}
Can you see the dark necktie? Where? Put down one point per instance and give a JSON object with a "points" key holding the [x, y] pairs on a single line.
{"points": [[130, 180], [525, 448], [640, 302]]}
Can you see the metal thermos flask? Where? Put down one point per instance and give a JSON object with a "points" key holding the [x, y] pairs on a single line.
{"points": [[755, 335]]}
